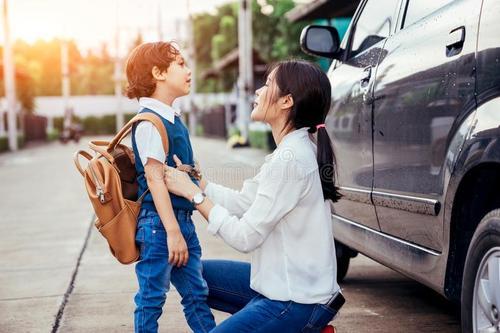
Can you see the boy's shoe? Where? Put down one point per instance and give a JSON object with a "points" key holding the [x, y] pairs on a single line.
{"points": [[328, 329]]}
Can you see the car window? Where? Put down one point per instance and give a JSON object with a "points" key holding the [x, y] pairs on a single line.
{"points": [[373, 25], [418, 9]]}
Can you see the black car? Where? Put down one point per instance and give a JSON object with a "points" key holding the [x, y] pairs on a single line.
{"points": [[415, 125]]}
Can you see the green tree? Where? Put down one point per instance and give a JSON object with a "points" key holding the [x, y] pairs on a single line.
{"points": [[214, 36], [273, 35], [91, 73], [95, 74], [226, 40], [274, 38], [25, 89], [25, 86]]}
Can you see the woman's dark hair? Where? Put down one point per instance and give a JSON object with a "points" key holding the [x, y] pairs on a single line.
{"points": [[311, 92], [140, 63]]}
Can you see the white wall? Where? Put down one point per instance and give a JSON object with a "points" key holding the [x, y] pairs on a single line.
{"points": [[53, 106]]}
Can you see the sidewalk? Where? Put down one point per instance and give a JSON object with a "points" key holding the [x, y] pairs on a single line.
{"points": [[44, 217], [55, 269]]}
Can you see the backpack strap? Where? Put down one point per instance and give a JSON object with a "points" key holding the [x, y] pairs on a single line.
{"points": [[76, 159], [104, 148], [148, 116]]}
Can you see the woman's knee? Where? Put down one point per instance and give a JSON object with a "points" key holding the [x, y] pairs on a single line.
{"points": [[217, 272], [228, 284]]}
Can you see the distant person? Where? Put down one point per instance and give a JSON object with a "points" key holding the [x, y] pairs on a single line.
{"points": [[71, 129], [170, 252], [281, 216]]}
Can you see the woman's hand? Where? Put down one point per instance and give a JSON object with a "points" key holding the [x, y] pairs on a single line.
{"points": [[178, 254], [179, 183]]}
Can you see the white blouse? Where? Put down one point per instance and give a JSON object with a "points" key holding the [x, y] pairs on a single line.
{"points": [[280, 216]]}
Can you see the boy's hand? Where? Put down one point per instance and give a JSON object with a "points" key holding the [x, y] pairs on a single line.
{"points": [[193, 170], [178, 180], [178, 254]]}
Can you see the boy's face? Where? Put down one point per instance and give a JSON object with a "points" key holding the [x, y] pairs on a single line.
{"points": [[177, 79]]}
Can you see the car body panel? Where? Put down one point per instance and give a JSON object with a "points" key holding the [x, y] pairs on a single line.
{"points": [[421, 93], [350, 119]]}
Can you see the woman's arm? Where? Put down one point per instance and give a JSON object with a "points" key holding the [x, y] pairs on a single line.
{"points": [[278, 193], [236, 202]]}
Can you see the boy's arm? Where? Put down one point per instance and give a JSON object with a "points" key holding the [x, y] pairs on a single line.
{"points": [[177, 249]]}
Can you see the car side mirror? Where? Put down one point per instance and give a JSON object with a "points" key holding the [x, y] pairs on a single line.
{"points": [[320, 41]]}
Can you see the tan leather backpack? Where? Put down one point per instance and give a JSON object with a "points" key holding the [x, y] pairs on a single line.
{"points": [[111, 183]]}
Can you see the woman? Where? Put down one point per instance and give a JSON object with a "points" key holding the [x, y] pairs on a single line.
{"points": [[282, 215]]}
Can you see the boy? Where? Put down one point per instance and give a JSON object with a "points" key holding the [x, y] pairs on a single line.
{"points": [[157, 74]]}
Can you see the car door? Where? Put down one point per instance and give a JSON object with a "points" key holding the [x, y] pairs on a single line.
{"points": [[350, 116], [424, 88]]}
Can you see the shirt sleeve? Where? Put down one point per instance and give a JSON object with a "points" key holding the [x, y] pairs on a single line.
{"points": [[148, 142], [236, 202], [278, 193]]}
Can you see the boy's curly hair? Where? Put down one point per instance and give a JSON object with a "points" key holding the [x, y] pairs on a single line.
{"points": [[140, 63]]}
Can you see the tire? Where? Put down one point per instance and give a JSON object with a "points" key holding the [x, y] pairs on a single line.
{"points": [[342, 267], [344, 255], [482, 277]]}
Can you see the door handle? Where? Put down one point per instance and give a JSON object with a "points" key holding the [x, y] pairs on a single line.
{"points": [[365, 85], [365, 79], [455, 41]]}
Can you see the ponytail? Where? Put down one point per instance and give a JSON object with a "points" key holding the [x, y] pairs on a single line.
{"points": [[311, 92], [326, 163]]}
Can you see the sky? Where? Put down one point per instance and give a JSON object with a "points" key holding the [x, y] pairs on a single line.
{"points": [[93, 22]]}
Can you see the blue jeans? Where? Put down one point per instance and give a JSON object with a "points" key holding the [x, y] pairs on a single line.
{"points": [[154, 274], [229, 291]]}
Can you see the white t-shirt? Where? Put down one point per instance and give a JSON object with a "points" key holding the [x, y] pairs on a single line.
{"points": [[147, 137]]}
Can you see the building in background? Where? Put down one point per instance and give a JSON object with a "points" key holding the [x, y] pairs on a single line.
{"points": [[228, 110]]}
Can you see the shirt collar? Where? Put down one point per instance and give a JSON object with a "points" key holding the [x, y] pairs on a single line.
{"points": [[164, 110], [298, 133]]}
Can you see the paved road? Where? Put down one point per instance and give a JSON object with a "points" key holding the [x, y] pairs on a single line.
{"points": [[57, 275]]}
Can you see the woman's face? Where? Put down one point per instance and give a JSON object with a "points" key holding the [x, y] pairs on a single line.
{"points": [[264, 108]]}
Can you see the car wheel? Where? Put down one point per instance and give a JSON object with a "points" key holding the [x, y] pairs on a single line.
{"points": [[344, 255], [481, 282]]}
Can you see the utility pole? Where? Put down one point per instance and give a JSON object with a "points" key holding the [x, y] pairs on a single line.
{"points": [[65, 73], [2, 123], [245, 78], [9, 79], [68, 115], [193, 116], [118, 75]]}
